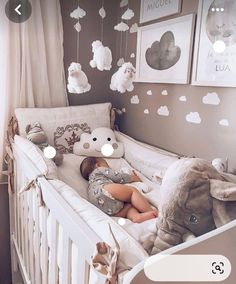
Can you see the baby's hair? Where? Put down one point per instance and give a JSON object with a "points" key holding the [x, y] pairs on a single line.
{"points": [[87, 166]]}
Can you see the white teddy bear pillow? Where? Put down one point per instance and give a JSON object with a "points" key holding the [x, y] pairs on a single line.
{"points": [[91, 144]]}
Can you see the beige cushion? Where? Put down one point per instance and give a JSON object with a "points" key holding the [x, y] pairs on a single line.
{"points": [[63, 126]]}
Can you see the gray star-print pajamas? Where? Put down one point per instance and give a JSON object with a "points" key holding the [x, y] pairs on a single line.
{"points": [[99, 196]]}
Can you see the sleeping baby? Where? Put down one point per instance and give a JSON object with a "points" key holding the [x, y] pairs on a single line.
{"points": [[108, 190]]}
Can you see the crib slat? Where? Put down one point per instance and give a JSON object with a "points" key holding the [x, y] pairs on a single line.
{"points": [[37, 242], [31, 235], [83, 270], [66, 257], [26, 235], [44, 245], [53, 268]]}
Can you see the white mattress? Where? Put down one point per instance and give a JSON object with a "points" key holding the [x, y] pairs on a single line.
{"points": [[69, 173]]}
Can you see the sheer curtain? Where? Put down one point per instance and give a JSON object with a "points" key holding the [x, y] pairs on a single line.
{"points": [[31, 62]]}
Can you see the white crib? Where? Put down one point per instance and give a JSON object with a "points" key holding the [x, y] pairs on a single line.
{"points": [[24, 223]]}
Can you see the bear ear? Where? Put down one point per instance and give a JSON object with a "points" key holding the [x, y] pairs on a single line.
{"points": [[27, 129]]}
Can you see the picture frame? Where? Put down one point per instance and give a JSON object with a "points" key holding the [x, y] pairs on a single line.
{"points": [[209, 67], [155, 9], [164, 51]]}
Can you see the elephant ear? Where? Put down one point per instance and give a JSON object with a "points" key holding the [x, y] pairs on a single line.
{"points": [[222, 192], [169, 234]]}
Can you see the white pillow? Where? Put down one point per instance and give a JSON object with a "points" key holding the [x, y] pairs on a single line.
{"points": [[45, 166], [91, 144], [63, 126], [150, 161]]}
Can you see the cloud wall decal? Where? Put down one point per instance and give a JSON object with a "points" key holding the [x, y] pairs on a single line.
{"points": [[193, 117], [163, 111], [211, 99], [183, 99], [224, 122], [163, 54], [135, 100]]}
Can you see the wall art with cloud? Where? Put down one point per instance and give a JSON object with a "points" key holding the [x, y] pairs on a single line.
{"points": [[216, 22], [164, 51]]}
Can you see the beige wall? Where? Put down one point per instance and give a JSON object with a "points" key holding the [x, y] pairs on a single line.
{"points": [[207, 140], [5, 265]]}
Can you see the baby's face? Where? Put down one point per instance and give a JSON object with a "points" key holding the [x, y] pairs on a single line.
{"points": [[102, 163]]}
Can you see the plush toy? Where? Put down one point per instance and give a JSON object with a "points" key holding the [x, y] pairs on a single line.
{"points": [[122, 80], [102, 56], [195, 199], [77, 80], [37, 136], [91, 144]]}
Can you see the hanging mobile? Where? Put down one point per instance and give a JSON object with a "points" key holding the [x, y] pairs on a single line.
{"points": [[122, 80], [77, 79], [102, 56]]}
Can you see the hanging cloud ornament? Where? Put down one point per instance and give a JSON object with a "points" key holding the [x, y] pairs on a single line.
{"points": [[128, 14], [120, 62], [124, 3], [102, 13], [78, 13], [122, 80], [134, 28], [121, 27], [102, 56], [77, 80], [77, 26]]}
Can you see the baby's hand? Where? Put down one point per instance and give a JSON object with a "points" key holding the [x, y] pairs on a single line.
{"points": [[135, 177]]}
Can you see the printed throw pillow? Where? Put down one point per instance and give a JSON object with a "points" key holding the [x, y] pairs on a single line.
{"points": [[66, 136], [91, 144]]}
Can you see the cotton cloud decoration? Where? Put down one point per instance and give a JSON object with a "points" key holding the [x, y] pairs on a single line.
{"points": [[77, 80], [132, 55], [102, 56], [211, 99], [122, 80], [193, 117], [163, 111], [146, 111], [134, 100], [128, 14], [78, 13], [91, 144], [224, 122], [149, 92], [121, 27], [124, 3], [134, 28]]}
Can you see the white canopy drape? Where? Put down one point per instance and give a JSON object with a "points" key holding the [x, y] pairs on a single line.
{"points": [[31, 62]]}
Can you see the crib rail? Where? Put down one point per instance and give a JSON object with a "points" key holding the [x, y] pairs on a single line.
{"points": [[34, 232]]}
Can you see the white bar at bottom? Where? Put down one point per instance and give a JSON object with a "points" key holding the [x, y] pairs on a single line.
{"points": [[184, 268]]}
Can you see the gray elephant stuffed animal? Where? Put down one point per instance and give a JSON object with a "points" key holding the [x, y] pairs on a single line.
{"points": [[195, 200]]}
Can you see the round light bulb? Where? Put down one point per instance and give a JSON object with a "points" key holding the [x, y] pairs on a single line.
{"points": [[49, 152], [107, 150], [121, 221], [219, 46]]}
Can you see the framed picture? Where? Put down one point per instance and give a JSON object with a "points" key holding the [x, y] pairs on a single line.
{"points": [[216, 22], [164, 51], [156, 9]]}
